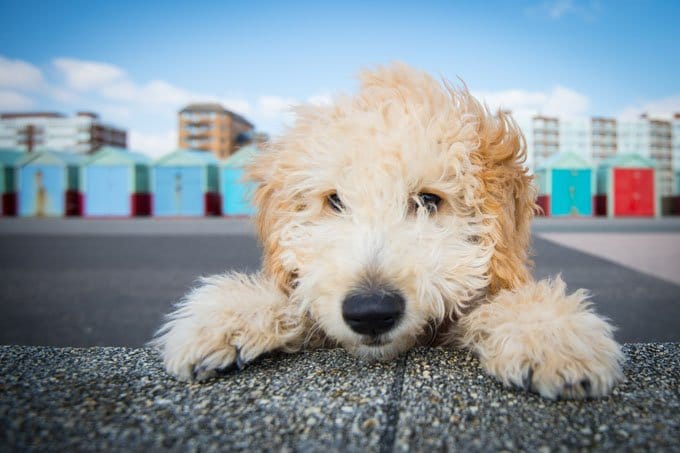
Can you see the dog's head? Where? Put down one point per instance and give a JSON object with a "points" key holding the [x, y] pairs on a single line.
{"points": [[389, 211]]}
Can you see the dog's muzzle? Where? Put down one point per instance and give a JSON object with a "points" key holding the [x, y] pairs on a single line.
{"points": [[374, 312]]}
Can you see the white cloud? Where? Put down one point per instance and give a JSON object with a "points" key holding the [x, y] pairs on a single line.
{"points": [[20, 75], [113, 83], [11, 100], [560, 101], [153, 145], [663, 108], [84, 75]]}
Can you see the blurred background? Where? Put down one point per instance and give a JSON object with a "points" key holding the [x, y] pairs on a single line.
{"points": [[124, 128]]}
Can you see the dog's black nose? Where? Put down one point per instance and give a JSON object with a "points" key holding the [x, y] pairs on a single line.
{"points": [[373, 313]]}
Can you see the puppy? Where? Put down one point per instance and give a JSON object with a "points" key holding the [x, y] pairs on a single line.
{"points": [[397, 217]]}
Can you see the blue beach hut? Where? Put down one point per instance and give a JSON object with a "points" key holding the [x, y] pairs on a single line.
{"points": [[8, 180], [116, 182], [566, 185], [49, 184], [185, 184], [236, 193]]}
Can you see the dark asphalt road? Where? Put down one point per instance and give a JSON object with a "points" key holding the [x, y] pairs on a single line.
{"points": [[113, 290]]}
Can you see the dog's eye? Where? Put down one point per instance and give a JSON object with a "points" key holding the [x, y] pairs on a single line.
{"points": [[429, 201], [334, 202]]}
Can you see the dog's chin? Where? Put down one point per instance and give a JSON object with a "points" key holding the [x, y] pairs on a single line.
{"points": [[378, 348]]}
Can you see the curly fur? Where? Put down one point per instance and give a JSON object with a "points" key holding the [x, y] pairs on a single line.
{"points": [[463, 270]]}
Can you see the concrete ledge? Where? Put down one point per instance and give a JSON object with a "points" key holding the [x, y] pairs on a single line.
{"points": [[120, 399]]}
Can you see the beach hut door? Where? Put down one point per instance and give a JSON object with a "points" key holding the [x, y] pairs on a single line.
{"points": [[108, 191], [571, 192], [42, 191]]}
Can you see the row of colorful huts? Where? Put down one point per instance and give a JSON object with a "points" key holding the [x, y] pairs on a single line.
{"points": [[620, 186], [115, 182]]}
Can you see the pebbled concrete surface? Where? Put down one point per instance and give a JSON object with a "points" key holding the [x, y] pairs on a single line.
{"points": [[120, 399]]}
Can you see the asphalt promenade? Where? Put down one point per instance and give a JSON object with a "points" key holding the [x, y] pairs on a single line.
{"points": [[82, 282]]}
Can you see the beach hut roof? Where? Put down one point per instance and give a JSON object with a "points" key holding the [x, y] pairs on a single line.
{"points": [[565, 160], [627, 160], [50, 157], [114, 155], [10, 156], [187, 157], [242, 157]]}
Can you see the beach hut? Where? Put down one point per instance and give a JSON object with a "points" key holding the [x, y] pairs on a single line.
{"points": [[566, 185], [185, 183], [8, 180], [116, 182], [626, 187], [236, 193], [49, 184], [671, 203]]}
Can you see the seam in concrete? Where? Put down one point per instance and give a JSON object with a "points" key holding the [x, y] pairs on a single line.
{"points": [[389, 435]]}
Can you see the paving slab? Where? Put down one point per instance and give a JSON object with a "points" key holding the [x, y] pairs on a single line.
{"points": [[120, 399]]}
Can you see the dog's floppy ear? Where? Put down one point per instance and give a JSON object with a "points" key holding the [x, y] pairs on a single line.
{"points": [[272, 212], [508, 196]]}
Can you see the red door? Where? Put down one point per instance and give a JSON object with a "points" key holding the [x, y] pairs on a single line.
{"points": [[634, 192]]}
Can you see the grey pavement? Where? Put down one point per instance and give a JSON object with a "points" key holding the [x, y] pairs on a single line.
{"points": [[656, 254], [146, 226], [137, 226], [115, 399], [111, 283]]}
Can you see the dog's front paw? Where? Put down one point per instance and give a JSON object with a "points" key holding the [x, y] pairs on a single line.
{"points": [[555, 371], [542, 340], [195, 351], [227, 322]]}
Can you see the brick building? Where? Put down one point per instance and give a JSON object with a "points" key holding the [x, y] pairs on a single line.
{"points": [[210, 127]]}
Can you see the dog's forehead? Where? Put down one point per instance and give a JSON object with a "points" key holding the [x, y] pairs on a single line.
{"points": [[397, 157]]}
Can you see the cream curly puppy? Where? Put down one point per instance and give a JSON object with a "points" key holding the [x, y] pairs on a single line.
{"points": [[397, 217]]}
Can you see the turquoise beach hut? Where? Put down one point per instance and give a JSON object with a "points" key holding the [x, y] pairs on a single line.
{"points": [[185, 184], [8, 180], [236, 193], [116, 182], [49, 184], [566, 185]]}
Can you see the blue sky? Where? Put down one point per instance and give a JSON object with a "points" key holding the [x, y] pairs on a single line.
{"points": [[137, 62]]}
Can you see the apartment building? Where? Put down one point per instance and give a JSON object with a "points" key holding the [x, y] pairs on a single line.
{"points": [[546, 138], [576, 136], [83, 133], [675, 139], [210, 127], [604, 138], [598, 138]]}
